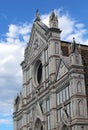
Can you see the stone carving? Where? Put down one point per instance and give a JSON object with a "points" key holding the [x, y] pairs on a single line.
{"points": [[53, 20], [66, 119], [35, 44]]}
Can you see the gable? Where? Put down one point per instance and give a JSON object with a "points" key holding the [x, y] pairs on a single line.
{"points": [[38, 111], [37, 43], [38, 37], [62, 70]]}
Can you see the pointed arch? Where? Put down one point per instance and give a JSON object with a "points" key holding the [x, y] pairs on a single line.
{"points": [[80, 108], [38, 124], [79, 87]]}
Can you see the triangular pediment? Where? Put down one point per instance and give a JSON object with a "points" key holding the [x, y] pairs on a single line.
{"points": [[62, 70], [37, 43], [37, 37]]}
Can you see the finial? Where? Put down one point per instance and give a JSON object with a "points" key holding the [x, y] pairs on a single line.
{"points": [[52, 16], [73, 39], [37, 15], [79, 47], [74, 43], [20, 93], [53, 20], [74, 47]]}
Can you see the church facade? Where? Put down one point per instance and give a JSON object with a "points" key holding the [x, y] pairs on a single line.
{"points": [[55, 81]]}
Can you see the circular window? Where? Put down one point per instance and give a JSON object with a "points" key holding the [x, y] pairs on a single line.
{"points": [[38, 72]]}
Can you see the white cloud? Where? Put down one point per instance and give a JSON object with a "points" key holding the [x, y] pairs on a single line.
{"points": [[79, 25], [11, 55], [5, 121], [13, 31], [17, 32], [45, 19], [23, 30], [66, 25]]}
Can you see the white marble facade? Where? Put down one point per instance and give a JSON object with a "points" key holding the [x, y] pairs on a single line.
{"points": [[54, 94]]}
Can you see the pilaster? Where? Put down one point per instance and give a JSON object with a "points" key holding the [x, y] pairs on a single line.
{"points": [[53, 110], [24, 120], [79, 114]]}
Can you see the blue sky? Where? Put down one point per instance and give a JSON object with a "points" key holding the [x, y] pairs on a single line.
{"points": [[16, 18]]}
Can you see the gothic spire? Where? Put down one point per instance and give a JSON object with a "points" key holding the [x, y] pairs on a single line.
{"points": [[53, 20]]}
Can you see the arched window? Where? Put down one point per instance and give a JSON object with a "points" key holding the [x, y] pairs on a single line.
{"points": [[80, 108], [79, 87]]}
